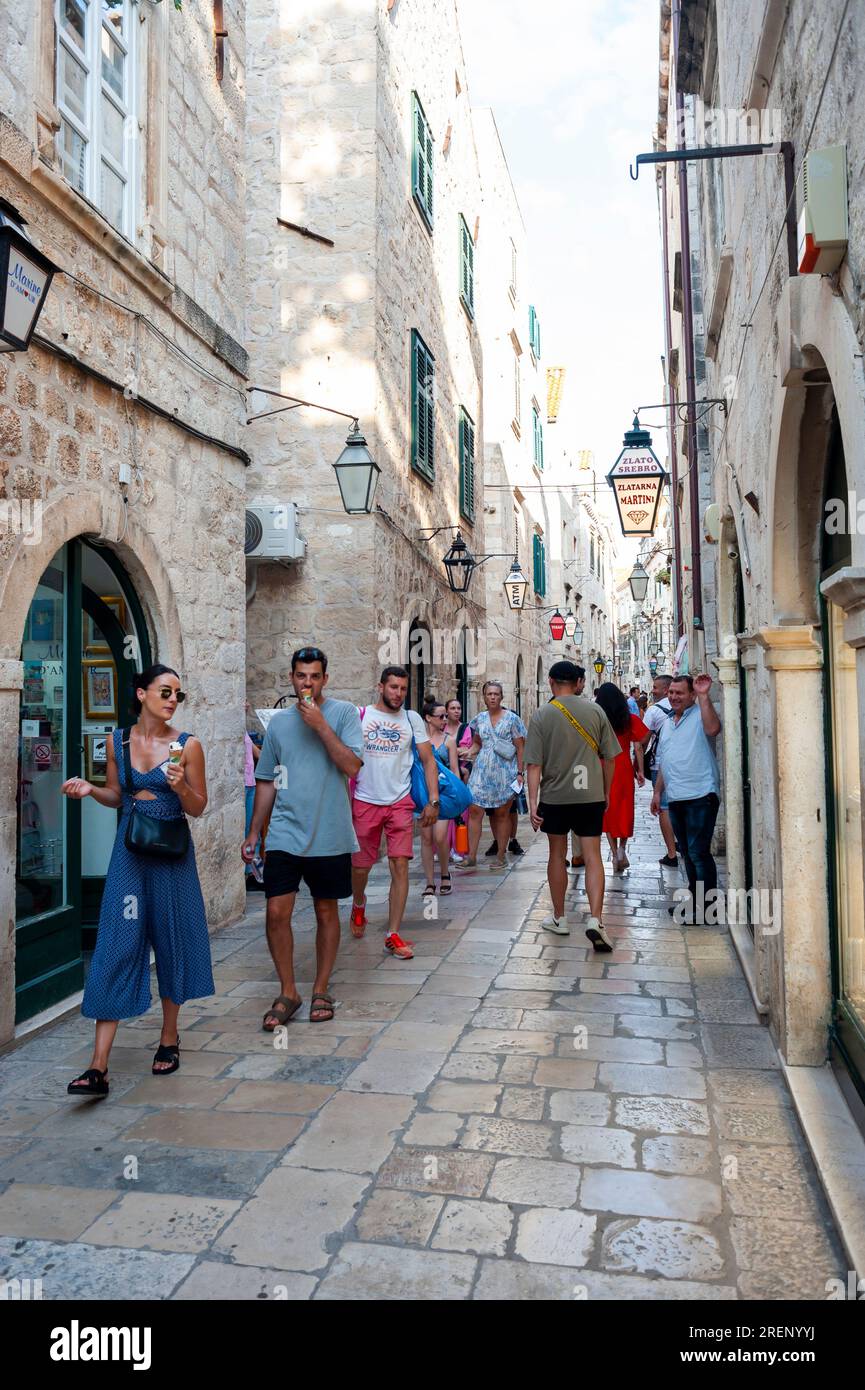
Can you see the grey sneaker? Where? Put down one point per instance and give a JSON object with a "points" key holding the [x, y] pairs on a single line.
{"points": [[598, 937], [558, 925]]}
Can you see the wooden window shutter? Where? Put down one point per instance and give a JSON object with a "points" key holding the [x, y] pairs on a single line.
{"points": [[422, 405], [467, 465], [467, 268], [422, 161]]}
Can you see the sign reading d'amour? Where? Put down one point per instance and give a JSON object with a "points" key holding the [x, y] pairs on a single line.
{"points": [[637, 478]]}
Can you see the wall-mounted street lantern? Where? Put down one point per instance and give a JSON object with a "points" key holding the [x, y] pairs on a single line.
{"points": [[639, 582], [25, 279], [357, 474], [637, 478], [661, 658], [557, 626], [516, 585], [653, 649], [460, 564], [653, 664], [599, 666], [572, 628]]}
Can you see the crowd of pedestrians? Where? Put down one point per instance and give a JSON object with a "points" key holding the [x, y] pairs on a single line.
{"points": [[332, 781]]}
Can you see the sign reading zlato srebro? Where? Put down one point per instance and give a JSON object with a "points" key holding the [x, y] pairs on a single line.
{"points": [[636, 478]]}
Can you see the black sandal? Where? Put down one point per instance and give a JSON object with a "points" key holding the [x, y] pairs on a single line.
{"points": [[96, 1084], [446, 886], [167, 1054]]}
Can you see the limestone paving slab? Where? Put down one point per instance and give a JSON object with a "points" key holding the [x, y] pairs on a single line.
{"points": [[464, 1097], [400, 1218], [672, 1154], [671, 1249], [535, 1182], [512, 1280], [72, 1272], [457, 1173], [47, 1212], [546, 1236], [663, 1114], [475, 1228], [598, 1144], [211, 1281], [153, 1221], [376, 1272], [396, 1072], [648, 1194], [321, 1205], [507, 1136], [203, 1129], [354, 1133]]}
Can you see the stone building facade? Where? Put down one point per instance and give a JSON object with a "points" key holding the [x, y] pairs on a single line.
{"points": [[122, 467], [786, 349], [520, 498], [368, 318]]}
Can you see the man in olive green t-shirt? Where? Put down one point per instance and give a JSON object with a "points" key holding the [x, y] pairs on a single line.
{"points": [[570, 759]]}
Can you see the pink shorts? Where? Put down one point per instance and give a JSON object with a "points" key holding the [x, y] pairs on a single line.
{"points": [[370, 821]]}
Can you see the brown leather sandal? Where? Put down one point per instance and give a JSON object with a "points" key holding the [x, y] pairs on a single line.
{"points": [[325, 1009], [282, 1009]]}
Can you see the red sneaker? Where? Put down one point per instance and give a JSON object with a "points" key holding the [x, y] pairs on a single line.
{"points": [[358, 918], [399, 948]]}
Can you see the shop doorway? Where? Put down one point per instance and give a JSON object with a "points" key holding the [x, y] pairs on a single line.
{"points": [[83, 640], [844, 794]]}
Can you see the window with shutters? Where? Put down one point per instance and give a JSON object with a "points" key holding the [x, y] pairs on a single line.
{"points": [[467, 465], [95, 94], [512, 287], [534, 332], [539, 565], [516, 419], [422, 407], [467, 269], [537, 437], [422, 161], [592, 553]]}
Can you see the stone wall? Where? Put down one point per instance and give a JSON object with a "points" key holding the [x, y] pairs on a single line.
{"points": [[333, 325], [153, 381]]}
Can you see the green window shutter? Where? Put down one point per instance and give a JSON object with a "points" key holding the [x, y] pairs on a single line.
{"points": [[537, 337], [540, 444], [535, 426], [532, 318], [422, 161], [536, 564], [467, 268], [467, 465], [543, 570], [422, 404]]}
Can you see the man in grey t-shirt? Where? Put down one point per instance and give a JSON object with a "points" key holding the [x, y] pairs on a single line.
{"points": [[570, 759], [309, 752]]}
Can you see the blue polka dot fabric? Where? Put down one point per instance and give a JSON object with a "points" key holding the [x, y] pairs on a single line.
{"points": [[148, 902]]}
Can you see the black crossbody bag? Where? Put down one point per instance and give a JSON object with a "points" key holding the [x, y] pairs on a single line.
{"points": [[156, 839], [651, 752]]}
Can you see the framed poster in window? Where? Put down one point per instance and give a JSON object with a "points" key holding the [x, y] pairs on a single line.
{"points": [[100, 689], [94, 641], [96, 758]]}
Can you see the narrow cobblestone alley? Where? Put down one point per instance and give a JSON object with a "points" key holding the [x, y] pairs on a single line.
{"points": [[506, 1116]]}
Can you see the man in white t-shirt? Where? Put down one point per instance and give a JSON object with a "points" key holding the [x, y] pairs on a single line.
{"points": [[656, 716], [382, 801]]}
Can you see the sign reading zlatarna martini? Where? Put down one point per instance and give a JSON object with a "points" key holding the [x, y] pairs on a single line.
{"points": [[637, 478]]}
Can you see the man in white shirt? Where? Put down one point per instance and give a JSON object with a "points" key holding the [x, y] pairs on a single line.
{"points": [[688, 771], [383, 803], [655, 718]]}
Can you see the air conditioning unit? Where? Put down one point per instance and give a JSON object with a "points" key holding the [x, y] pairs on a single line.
{"points": [[823, 226], [271, 532]]}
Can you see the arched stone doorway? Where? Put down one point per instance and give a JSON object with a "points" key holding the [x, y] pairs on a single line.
{"points": [[813, 651], [91, 580]]}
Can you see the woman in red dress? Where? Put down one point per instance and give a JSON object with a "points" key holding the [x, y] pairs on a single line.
{"points": [[629, 729]]}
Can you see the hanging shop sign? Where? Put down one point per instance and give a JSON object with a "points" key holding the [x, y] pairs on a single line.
{"points": [[637, 479]]}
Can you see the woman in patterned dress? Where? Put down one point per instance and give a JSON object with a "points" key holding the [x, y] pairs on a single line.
{"points": [[147, 901], [499, 737]]}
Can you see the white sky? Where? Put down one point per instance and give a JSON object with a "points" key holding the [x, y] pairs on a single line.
{"points": [[574, 85]]}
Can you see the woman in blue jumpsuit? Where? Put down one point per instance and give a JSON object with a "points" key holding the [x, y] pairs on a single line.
{"points": [[147, 901]]}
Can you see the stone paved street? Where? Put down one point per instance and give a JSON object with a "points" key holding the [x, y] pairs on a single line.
{"points": [[506, 1116]]}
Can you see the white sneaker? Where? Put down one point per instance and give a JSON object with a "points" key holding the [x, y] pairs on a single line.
{"points": [[559, 925], [598, 937]]}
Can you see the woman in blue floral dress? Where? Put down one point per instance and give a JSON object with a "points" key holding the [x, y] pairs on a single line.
{"points": [[498, 740], [147, 901]]}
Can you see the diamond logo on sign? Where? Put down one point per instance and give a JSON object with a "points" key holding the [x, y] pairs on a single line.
{"points": [[637, 479]]}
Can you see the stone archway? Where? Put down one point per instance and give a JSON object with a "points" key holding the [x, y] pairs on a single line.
{"points": [[819, 371], [63, 517]]}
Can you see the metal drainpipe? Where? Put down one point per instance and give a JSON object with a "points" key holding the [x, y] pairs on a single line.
{"points": [[671, 415], [688, 335]]}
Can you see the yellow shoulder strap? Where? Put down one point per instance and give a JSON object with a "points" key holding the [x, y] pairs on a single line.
{"points": [[577, 725]]}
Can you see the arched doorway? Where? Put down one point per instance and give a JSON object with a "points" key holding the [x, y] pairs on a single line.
{"points": [[84, 637], [843, 783], [418, 659]]}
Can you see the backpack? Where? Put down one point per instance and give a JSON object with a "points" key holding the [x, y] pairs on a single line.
{"points": [[652, 746]]}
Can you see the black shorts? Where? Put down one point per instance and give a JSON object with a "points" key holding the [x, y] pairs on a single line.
{"points": [[574, 817], [325, 875]]}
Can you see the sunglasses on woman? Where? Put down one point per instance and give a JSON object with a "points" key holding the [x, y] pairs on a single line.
{"points": [[166, 693]]}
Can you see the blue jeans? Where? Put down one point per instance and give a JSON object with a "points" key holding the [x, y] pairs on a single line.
{"points": [[693, 825]]}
